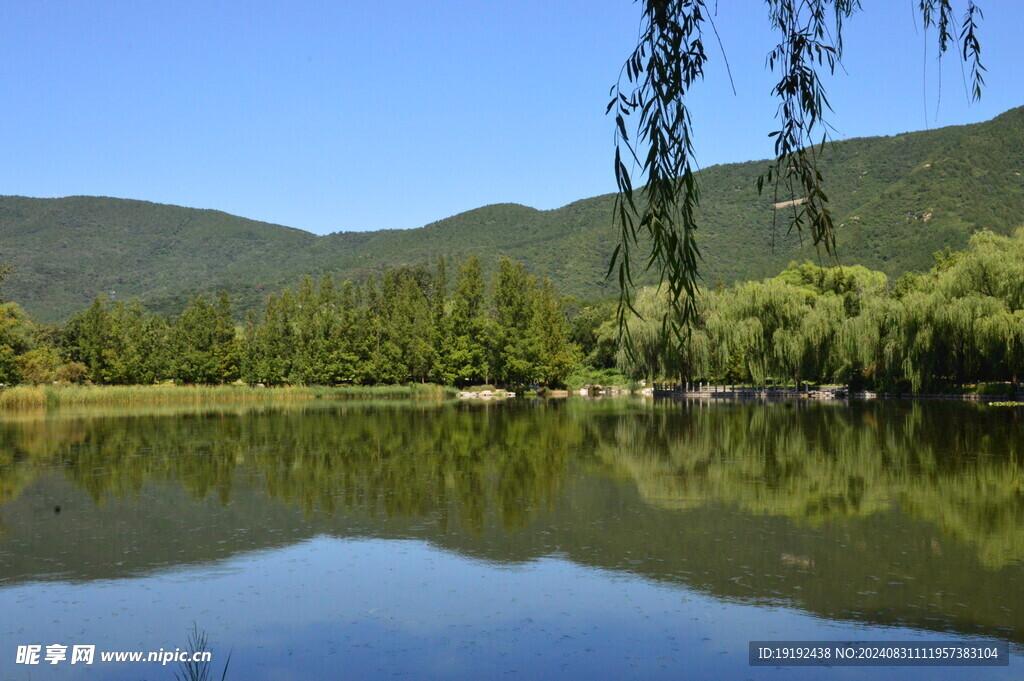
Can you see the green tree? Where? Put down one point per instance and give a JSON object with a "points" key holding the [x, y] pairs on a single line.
{"points": [[86, 338], [442, 370], [203, 343], [589, 331], [553, 355], [16, 335], [314, 333], [471, 330], [269, 342], [515, 350], [118, 343]]}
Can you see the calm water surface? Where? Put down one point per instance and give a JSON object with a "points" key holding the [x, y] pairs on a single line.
{"points": [[570, 539]]}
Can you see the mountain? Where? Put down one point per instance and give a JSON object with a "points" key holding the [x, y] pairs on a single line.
{"points": [[898, 199]]}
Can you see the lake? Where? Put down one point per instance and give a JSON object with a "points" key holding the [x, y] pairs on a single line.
{"points": [[562, 539]]}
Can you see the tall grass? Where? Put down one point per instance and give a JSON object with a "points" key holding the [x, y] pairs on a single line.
{"points": [[198, 671], [23, 397], [36, 397]]}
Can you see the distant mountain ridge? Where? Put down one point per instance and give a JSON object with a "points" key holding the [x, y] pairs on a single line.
{"points": [[898, 200]]}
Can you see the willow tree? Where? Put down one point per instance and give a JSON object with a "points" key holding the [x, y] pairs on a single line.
{"points": [[654, 129], [993, 265], [651, 356], [648, 352]]}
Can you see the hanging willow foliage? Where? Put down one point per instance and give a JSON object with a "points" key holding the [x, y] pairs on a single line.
{"points": [[654, 130], [960, 323]]}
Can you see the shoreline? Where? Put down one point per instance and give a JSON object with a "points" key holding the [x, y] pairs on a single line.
{"points": [[56, 396], [750, 396], [22, 398]]}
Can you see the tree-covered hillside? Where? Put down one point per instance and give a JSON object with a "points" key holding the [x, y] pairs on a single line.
{"points": [[898, 200]]}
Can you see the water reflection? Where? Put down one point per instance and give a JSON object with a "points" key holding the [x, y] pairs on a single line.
{"points": [[885, 513], [958, 467]]}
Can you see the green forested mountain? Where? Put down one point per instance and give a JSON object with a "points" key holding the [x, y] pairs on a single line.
{"points": [[898, 200]]}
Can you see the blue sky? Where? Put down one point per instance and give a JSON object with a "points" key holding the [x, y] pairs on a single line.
{"points": [[342, 115]]}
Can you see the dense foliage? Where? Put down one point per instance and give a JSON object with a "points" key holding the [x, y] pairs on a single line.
{"points": [[895, 200], [408, 325], [962, 322]]}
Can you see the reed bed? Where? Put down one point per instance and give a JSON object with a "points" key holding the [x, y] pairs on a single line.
{"points": [[54, 396]]}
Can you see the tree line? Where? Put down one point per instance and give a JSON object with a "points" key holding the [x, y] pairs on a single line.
{"points": [[406, 325], [961, 322]]}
